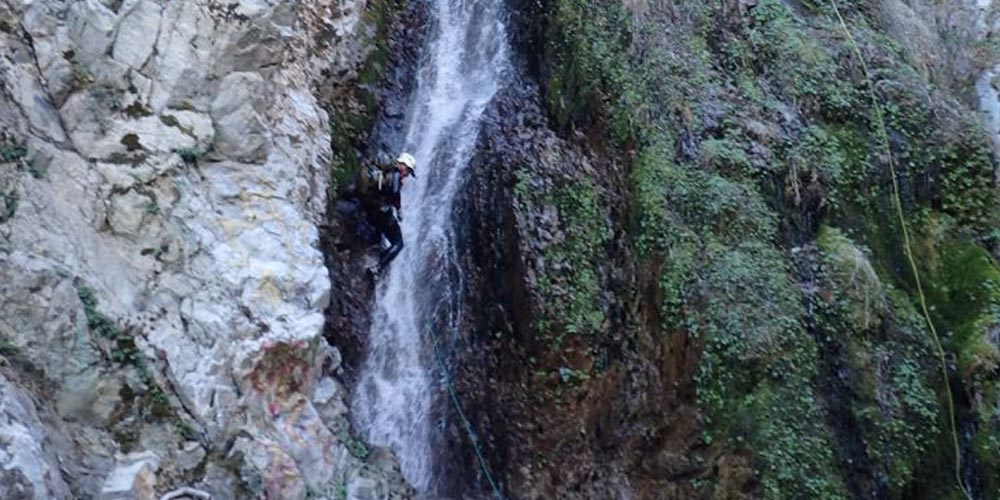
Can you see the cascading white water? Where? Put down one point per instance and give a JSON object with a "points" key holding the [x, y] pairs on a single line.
{"points": [[462, 70]]}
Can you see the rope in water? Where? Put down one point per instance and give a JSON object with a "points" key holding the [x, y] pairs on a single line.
{"points": [[908, 248], [453, 397]]}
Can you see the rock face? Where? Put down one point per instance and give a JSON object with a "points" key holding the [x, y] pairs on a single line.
{"points": [[163, 172], [32, 469], [686, 268], [684, 265]]}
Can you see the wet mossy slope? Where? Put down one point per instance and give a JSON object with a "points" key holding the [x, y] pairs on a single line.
{"points": [[763, 236]]}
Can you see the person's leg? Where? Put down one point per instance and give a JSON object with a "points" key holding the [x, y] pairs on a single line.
{"points": [[395, 236], [390, 254]]}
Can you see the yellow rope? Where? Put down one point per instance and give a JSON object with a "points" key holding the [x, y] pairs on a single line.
{"points": [[908, 247]]}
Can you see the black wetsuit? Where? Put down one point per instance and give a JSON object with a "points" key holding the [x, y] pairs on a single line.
{"points": [[386, 201]]}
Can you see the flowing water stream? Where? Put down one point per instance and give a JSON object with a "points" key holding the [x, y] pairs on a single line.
{"points": [[417, 299]]}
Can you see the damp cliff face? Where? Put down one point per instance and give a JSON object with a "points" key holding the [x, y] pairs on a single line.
{"points": [[163, 173], [689, 272], [678, 269]]}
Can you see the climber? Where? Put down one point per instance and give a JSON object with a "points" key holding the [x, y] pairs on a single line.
{"points": [[381, 185]]}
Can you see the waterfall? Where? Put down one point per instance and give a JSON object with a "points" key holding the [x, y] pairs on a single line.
{"points": [[989, 103], [417, 297]]}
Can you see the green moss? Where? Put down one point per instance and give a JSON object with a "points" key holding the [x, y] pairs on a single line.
{"points": [[902, 410], [886, 348], [353, 116], [963, 287], [851, 149], [748, 321], [191, 155], [678, 280], [124, 351], [649, 190], [755, 379], [792, 440], [986, 440], [727, 156], [11, 151], [789, 53], [722, 281], [571, 282], [586, 49], [709, 195], [857, 284], [968, 185], [9, 201]]}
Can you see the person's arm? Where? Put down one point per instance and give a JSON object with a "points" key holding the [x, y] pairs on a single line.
{"points": [[397, 189]]}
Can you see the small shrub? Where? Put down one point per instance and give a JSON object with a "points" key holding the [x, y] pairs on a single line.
{"points": [[9, 206], [9, 349], [11, 152], [572, 282], [190, 155]]}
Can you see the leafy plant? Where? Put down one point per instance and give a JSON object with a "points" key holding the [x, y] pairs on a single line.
{"points": [[9, 200], [191, 155], [12, 151]]}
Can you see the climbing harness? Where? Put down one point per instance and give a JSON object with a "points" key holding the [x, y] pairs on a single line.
{"points": [[908, 248], [376, 174]]}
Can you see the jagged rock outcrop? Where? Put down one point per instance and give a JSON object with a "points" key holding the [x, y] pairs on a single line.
{"points": [[28, 456], [163, 172]]}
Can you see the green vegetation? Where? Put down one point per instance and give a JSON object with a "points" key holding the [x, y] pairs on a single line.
{"points": [[153, 401], [9, 201], [745, 134], [353, 112], [191, 155], [357, 447], [11, 150], [572, 268], [887, 346], [722, 281], [123, 347], [9, 350], [962, 282]]}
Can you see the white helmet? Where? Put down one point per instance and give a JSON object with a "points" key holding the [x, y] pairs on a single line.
{"points": [[410, 162]]}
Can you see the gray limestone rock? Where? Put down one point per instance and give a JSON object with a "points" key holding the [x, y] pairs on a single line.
{"points": [[165, 240], [133, 478], [29, 467]]}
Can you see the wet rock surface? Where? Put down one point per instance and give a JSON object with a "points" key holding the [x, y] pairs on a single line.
{"points": [[550, 428], [350, 242], [615, 399]]}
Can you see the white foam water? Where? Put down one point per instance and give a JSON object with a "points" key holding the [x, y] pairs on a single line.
{"points": [[463, 67]]}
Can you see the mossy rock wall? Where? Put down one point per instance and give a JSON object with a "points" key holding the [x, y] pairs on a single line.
{"points": [[760, 195]]}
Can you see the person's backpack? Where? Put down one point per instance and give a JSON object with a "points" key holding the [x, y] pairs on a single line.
{"points": [[373, 176]]}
